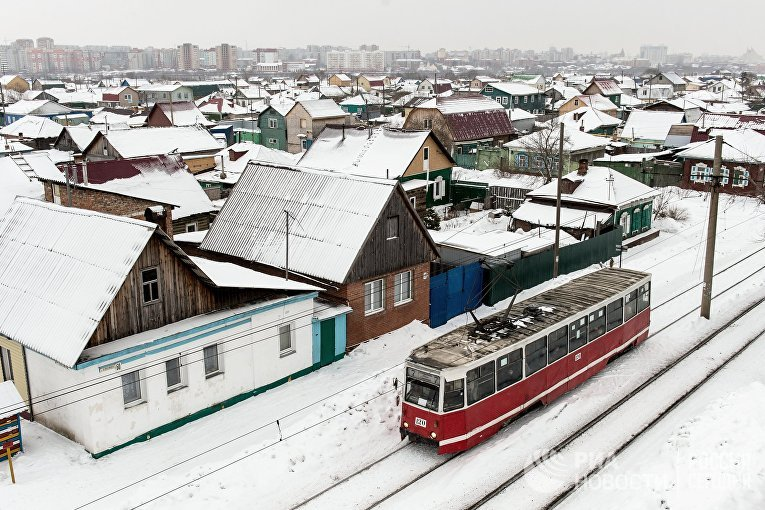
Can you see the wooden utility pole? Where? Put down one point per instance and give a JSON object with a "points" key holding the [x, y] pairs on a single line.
{"points": [[709, 258], [556, 247]]}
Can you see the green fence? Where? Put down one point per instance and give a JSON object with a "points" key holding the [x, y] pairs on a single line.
{"points": [[505, 279], [468, 191]]}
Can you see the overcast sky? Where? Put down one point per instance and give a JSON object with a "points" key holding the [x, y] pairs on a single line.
{"points": [[700, 26]]}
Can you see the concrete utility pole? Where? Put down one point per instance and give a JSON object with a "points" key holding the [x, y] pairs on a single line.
{"points": [[287, 247], [709, 259], [556, 247]]}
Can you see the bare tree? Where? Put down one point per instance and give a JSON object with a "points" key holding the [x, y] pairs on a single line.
{"points": [[542, 150]]}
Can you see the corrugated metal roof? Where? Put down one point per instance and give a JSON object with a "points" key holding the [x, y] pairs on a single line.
{"points": [[61, 269], [332, 214], [479, 125]]}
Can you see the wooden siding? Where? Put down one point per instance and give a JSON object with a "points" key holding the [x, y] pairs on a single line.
{"points": [[381, 255], [438, 159], [416, 120], [202, 220], [182, 295], [18, 366]]}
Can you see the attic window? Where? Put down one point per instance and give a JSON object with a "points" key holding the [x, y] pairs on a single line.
{"points": [[393, 227], [488, 88], [427, 123], [150, 285]]}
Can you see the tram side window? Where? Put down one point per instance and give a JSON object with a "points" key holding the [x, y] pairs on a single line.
{"points": [[577, 334], [597, 323], [645, 297], [454, 394], [630, 305], [509, 369], [614, 314], [536, 355], [480, 382], [557, 344]]}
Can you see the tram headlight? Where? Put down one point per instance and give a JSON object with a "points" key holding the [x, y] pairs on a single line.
{"points": [[433, 435], [406, 425]]}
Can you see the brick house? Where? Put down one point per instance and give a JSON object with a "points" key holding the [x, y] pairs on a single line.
{"points": [[157, 188], [378, 263], [743, 163]]}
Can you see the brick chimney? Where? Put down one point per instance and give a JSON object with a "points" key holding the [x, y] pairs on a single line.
{"points": [[582, 170]]}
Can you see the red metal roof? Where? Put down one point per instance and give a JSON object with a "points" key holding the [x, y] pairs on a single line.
{"points": [[100, 172], [479, 125]]}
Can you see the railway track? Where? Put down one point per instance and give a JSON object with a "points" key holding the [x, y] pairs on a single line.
{"points": [[441, 461], [562, 445]]}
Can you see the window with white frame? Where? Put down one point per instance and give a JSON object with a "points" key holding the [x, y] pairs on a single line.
{"points": [[286, 345], [488, 88], [522, 160], [128, 97], [402, 289], [425, 154], [7, 365], [173, 373], [439, 188], [150, 285], [724, 175], [56, 194], [374, 296], [504, 100], [498, 99], [740, 177], [413, 200], [525, 99], [211, 360], [272, 141], [515, 99], [272, 123], [131, 387], [191, 227], [701, 173], [303, 123]]}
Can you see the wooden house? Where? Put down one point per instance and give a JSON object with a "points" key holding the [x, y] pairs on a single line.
{"points": [[119, 97], [416, 158], [272, 123], [161, 338], [183, 113], [14, 82], [609, 89], [668, 78], [306, 120], [516, 95], [340, 80], [368, 82], [462, 123], [378, 263]]}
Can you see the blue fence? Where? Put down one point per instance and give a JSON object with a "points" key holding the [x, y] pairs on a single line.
{"points": [[454, 292]]}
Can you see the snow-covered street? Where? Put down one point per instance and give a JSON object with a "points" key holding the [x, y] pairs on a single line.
{"points": [[329, 431]]}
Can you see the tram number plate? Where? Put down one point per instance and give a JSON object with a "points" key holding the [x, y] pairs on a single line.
{"points": [[578, 356], [420, 422]]}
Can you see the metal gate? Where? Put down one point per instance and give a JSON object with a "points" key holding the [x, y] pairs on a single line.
{"points": [[455, 291]]}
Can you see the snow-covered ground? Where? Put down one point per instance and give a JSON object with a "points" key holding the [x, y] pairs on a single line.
{"points": [[343, 417]]}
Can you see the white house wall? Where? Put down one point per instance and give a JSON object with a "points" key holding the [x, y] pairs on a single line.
{"points": [[96, 416]]}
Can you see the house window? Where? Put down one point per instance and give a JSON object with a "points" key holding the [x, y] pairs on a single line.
{"points": [[191, 227], [272, 123], [740, 177], [701, 173], [56, 194], [173, 374], [392, 227], [131, 387], [439, 188], [522, 160], [5, 360], [303, 123], [427, 123], [459, 149], [105, 151], [576, 102], [525, 99], [285, 340], [150, 284], [504, 100], [374, 296], [129, 97], [488, 88], [413, 201], [498, 99], [725, 176], [212, 360], [402, 290], [515, 99], [426, 154]]}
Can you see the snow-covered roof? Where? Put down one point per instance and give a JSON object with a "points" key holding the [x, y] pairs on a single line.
{"points": [[462, 104], [674, 78], [226, 274], [716, 120], [385, 154], [282, 105], [596, 101], [54, 286], [361, 100], [515, 88], [83, 134], [607, 87], [183, 113], [253, 152], [11, 402], [650, 125], [573, 141], [14, 182], [252, 223], [544, 215], [33, 127], [628, 100], [342, 77], [322, 108], [590, 118], [600, 186], [741, 146], [133, 143], [36, 106], [634, 158]]}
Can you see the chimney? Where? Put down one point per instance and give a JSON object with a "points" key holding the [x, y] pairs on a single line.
{"points": [[582, 170]]}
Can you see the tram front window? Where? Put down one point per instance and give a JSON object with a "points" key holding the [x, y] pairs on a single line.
{"points": [[422, 389]]}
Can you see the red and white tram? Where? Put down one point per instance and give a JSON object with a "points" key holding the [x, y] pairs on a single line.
{"points": [[462, 387]]}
